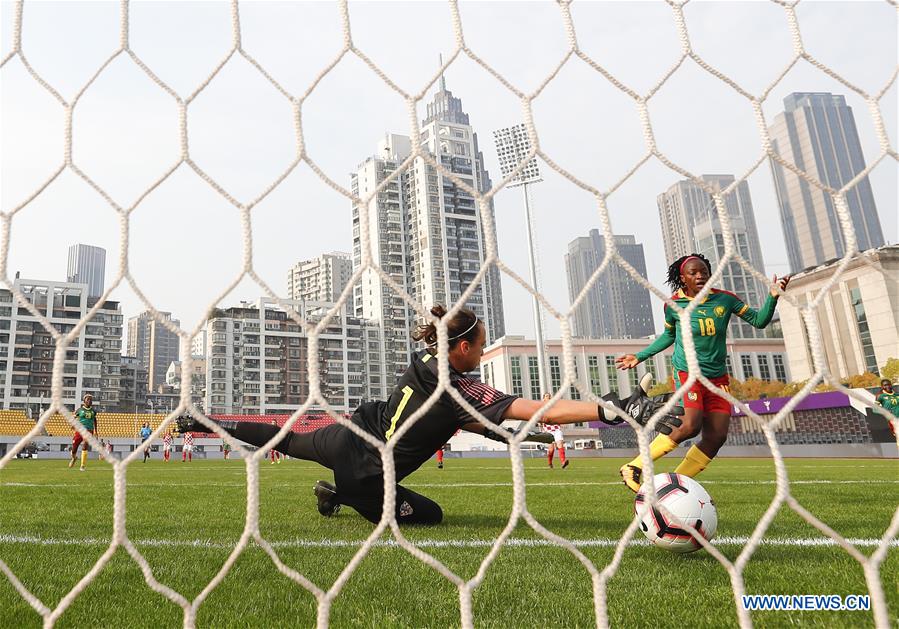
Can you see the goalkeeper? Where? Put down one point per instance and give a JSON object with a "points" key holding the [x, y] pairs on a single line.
{"points": [[705, 411], [358, 474]]}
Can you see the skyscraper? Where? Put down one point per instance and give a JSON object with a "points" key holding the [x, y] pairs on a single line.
{"points": [[817, 133], [320, 279], [425, 230], [690, 225], [154, 345], [616, 305], [87, 265]]}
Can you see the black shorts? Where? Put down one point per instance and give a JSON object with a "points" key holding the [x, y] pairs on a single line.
{"points": [[360, 484]]}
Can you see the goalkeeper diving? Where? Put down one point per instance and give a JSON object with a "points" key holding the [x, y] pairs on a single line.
{"points": [[357, 466]]}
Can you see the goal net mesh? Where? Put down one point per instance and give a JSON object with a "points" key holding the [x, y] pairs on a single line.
{"points": [[575, 54]]}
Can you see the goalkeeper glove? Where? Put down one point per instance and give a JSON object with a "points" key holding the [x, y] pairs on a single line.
{"points": [[642, 407]]}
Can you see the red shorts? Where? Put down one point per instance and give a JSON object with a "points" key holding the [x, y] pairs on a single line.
{"points": [[700, 397], [77, 439]]}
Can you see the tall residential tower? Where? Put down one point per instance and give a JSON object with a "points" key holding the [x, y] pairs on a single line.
{"points": [[817, 133], [425, 229], [616, 305]]}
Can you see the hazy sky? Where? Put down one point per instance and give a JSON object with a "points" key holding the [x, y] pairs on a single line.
{"points": [[186, 240]]}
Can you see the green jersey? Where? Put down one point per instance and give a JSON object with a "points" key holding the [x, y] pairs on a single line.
{"points": [[709, 324], [890, 401], [87, 417]]}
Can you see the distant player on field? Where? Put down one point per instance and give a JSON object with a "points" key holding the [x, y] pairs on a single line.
{"points": [[87, 415], [273, 454], [558, 442], [167, 447], [889, 401], [187, 449], [358, 475], [226, 450], [145, 432], [705, 411]]}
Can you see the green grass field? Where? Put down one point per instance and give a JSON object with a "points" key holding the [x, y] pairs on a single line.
{"points": [[44, 506]]}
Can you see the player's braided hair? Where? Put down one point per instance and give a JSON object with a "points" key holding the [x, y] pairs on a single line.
{"points": [[462, 327], [674, 280]]}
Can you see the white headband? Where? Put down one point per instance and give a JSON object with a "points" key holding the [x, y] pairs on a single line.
{"points": [[460, 335]]}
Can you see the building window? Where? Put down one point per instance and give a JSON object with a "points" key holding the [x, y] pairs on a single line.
{"points": [[764, 367], [593, 373], [555, 373], [864, 333], [651, 368], [746, 364], [611, 373], [780, 371], [573, 392], [534, 377], [633, 377], [517, 389]]}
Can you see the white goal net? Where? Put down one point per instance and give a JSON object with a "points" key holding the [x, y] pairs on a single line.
{"points": [[600, 575]]}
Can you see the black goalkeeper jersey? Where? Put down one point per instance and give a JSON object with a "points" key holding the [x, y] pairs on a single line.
{"points": [[431, 430]]}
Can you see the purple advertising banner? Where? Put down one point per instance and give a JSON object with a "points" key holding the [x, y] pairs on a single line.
{"points": [[828, 399], [813, 401]]}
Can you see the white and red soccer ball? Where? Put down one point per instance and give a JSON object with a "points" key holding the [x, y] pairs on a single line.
{"points": [[684, 498]]}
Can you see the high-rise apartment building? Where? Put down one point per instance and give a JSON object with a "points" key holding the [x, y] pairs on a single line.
{"points": [[320, 279], [690, 224], [616, 306], [133, 395], [27, 350], [816, 132], [258, 359], [87, 265], [425, 229], [154, 345]]}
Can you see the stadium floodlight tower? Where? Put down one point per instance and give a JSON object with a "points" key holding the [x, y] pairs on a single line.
{"points": [[512, 147]]}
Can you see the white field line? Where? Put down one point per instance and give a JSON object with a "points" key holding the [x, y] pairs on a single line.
{"points": [[201, 484], [423, 543]]}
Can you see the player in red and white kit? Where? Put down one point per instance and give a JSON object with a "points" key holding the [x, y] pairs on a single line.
{"points": [[187, 450], [273, 454], [167, 447], [558, 439]]}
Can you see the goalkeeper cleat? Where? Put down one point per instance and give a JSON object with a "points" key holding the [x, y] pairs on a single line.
{"points": [[631, 475], [326, 493], [565, 464]]}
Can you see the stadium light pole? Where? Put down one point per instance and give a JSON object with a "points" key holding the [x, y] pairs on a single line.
{"points": [[512, 147]]}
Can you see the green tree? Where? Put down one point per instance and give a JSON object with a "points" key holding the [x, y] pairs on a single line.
{"points": [[891, 369], [660, 388], [865, 380]]}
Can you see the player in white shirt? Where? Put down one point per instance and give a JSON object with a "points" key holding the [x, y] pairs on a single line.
{"points": [[558, 439], [187, 450], [167, 447]]}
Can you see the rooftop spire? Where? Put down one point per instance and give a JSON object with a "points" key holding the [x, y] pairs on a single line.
{"points": [[442, 78]]}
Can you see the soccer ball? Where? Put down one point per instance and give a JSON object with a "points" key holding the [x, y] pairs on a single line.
{"points": [[684, 498]]}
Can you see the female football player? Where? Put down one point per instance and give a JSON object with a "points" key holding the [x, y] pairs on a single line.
{"points": [[705, 410], [357, 465], [558, 441]]}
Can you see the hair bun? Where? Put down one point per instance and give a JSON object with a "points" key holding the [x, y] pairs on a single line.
{"points": [[438, 311]]}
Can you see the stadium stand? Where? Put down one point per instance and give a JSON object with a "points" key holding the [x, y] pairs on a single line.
{"points": [[14, 423]]}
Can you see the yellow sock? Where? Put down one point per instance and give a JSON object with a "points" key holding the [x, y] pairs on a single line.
{"points": [[659, 447], [83, 458], [694, 462]]}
